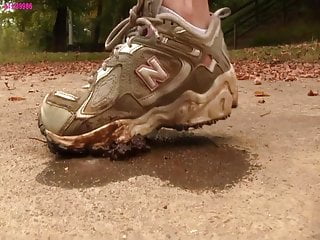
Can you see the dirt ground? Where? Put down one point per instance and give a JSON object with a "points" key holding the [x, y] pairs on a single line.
{"points": [[253, 176]]}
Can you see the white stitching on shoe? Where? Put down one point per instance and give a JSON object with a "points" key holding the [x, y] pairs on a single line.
{"points": [[66, 96]]}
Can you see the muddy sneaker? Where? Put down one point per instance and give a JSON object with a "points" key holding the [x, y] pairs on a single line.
{"points": [[163, 72]]}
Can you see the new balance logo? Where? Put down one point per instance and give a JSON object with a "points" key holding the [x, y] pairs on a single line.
{"points": [[153, 74]]}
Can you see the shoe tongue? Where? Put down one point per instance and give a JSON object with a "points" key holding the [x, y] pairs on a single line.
{"points": [[150, 8]]}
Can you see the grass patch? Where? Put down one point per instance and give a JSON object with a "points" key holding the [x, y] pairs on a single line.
{"points": [[33, 57], [306, 52]]}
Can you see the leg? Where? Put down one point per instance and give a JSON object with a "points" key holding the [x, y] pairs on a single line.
{"points": [[194, 11]]}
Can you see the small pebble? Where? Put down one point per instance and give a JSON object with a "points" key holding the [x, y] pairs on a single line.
{"points": [[257, 81]]}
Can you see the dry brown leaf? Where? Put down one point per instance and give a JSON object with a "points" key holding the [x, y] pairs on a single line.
{"points": [[276, 70], [265, 114], [48, 69], [6, 83], [261, 94], [245, 69], [313, 93], [14, 99]]}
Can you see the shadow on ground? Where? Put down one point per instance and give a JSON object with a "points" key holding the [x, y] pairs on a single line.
{"points": [[186, 161]]}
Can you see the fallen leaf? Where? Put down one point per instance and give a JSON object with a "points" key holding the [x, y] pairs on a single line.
{"points": [[313, 94], [265, 114], [8, 87], [245, 69], [14, 99], [276, 70], [290, 79], [261, 94]]}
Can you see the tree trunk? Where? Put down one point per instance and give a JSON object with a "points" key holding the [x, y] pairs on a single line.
{"points": [[97, 29], [60, 30]]}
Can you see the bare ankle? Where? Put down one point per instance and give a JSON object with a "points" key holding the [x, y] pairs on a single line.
{"points": [[194, 11]]}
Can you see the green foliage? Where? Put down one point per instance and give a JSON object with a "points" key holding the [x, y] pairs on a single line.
{"points": [[34, 29], [113, 12], [37, 25], [11, 39], [34, 57]]}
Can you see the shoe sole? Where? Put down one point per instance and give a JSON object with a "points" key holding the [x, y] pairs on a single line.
{"points": [[191, 110]]}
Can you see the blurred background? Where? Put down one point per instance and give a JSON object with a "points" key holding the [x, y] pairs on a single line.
{"points": [[83, 25]]}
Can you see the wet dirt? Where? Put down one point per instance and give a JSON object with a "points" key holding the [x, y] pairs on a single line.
{"points": [[184, 160]]}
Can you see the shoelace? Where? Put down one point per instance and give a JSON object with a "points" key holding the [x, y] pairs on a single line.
{"points": [[129, 28], [135, 24]]}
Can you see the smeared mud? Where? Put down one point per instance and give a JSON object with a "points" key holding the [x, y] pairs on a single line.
{"points": [[105, 142], [186, 161]]}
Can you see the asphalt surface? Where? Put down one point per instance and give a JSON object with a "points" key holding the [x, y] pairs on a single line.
{"points": [[253, 176]]}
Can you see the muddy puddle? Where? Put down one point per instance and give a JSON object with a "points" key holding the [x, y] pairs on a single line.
{"points": [[186, 161]]}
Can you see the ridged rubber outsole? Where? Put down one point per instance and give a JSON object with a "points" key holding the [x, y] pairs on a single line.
{"points": [[136, 145], [124, 137]]}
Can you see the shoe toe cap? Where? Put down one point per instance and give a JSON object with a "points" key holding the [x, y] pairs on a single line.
{"points": [[54, 118]]}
